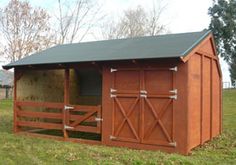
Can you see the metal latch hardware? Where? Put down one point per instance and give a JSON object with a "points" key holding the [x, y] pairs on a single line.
{"points": [[175, 91], [112, 96], [112, 90], [112, 137], [98, 119], [143, 92], [68, 127], [174, 69], [113, 70], [68, 107], [174, 144], [173, 97], [143, 95]]}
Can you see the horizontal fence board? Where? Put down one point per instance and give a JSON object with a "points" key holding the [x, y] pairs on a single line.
{"points": [[39, 114], [40, 104], [39, 125], [79, 117], [86, 108], [87, 129]]}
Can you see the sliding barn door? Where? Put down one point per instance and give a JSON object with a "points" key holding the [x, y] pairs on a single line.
{"points": [[142, 105]]}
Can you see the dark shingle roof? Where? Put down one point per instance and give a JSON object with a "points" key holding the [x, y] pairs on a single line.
{"points": [[161, 46]]}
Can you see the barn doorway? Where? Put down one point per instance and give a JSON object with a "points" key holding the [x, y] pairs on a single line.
{"points": [[142, 100], [83, 113], [60, 103]]}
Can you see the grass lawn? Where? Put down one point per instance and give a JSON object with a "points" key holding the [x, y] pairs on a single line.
{"points": [[27, 150]]}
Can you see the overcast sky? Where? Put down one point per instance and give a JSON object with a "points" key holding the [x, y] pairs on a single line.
{"points": [[179, 15]]}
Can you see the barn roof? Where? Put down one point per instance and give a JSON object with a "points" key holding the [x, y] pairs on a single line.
{"points": [[161, 46]]}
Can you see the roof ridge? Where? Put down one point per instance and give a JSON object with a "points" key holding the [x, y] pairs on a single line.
{"points": [[130, 38]]}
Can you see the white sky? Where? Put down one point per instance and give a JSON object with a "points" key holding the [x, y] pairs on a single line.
{"points": [[179, 15]]}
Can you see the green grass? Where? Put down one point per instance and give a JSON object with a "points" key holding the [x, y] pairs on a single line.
{"points": [[27, 150]]}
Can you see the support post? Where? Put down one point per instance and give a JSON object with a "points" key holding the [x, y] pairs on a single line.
{"points": [[15, 128], [66, 100]]}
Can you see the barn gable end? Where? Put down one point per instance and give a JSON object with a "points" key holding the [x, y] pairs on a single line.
{"points": [[207, 47], [204, 106]]}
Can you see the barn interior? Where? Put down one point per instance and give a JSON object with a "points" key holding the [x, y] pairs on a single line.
{"points": [[43, 102]]}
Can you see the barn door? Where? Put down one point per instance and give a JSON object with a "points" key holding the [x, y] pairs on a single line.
{"points": [[143, 105], [157, 106], [125, 94]]}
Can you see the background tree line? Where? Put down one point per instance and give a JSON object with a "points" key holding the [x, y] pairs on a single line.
{"points": [[26, 29], [223, 26]]}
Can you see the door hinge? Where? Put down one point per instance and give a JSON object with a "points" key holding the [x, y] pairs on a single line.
{"points": [[68, 127], [173, 97], [113, 70], [174, 144], [174, 69], [143, 91], [112, 96], [112, 137], [68, 107], [112, 90], [98, 119], [175, 91]]}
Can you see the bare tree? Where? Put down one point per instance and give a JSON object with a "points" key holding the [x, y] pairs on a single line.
{"points": [[76, 18], [24, 30], [154, 26], [135, 22]]}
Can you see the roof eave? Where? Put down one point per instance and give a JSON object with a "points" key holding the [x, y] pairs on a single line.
{"points": [[7, 67], [187, 54]]}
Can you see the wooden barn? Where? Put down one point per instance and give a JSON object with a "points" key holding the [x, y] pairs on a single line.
{"points": [[159, 93]]}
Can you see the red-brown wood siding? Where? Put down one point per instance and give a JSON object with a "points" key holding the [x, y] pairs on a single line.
{"points": [[204, 106]]}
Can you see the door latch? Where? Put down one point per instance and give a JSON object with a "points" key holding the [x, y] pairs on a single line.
{"points": [[68, 127], [68, 107], [98, 119]]}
